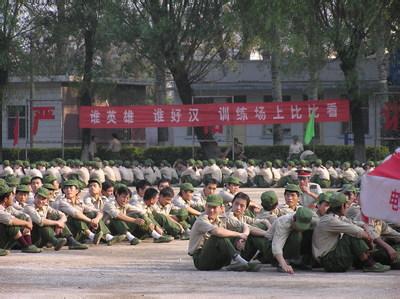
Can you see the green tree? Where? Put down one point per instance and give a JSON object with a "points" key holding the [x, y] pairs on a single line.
{"points": [[187, 37], [348, 24]]}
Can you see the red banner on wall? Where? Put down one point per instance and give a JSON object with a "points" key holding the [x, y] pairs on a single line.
{"points": [[335, 110]]}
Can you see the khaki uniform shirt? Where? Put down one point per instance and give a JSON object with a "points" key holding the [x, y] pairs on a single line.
{"points": [[5, 216], [270, 216], [200, 231], [38, 214], [350, 175], [267, 175], [214, 171], [279, 232], [71, 209], [112, 209], [117, 173], [333, 173], [109, 173], [226, 195], [241, 174], [328, 231], [97, 204], [321, 172], [165, 210], [137, 174], [126, 174]]}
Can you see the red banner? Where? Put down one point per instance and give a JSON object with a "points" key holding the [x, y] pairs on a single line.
{"points": [[335, 110]]}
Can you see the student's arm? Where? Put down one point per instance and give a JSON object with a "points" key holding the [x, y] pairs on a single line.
{"points": [[226, 233], [193, 211], [126, 218], [19, 222]]}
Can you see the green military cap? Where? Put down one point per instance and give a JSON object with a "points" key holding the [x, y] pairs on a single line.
{"points": [[4, 189], [214, 200], [233, 180], [106, 163], [303, 218], [277, 163], [72, 182], [268, 163], [293, 188], [25, 180], [324, 197], [269, 200], [291, 163], [318, 162], [48, 179], [371, 163], [23, 188], [199, 163], [95, 180], [111, 162], [43, 192], [6, 163], [191, 161], [49, 187], [187, 187], [356, 163], [337, 200], [127, 164], [205, 163], [12, 181], [347, 188], [329, 163], [239, 164], [26, 164], [346, 165], [18, 163]]}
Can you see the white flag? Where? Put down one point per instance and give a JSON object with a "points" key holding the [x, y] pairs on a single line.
{"points": [[380, 191]]}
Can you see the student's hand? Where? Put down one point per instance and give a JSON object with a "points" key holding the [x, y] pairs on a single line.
{"points": [[25, 231], [29, 225], [139, 221], [243, 236], [60, 224], [240, 244], [392, 253], [287, 268]]}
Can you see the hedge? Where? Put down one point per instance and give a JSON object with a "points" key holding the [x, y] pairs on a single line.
{"points": [[171, 153]]}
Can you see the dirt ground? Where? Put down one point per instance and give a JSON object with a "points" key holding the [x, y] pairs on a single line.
{"points": [[165, 270]]}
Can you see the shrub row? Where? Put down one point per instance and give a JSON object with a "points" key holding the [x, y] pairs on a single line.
{"points": [[171, 153]]}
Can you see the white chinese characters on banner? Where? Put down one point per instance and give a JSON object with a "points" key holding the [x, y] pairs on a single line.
{"points": [[158, 115], [295, 111], [176, 115], [94, 117], [223, 113], [111, 117], [278, 115], [129, 117], [241, 113], [313, 108], [331, 110], [193, 115], [260, 113]]}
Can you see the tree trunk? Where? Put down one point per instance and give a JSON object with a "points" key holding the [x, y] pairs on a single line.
{"points": [[208, 144], [352, 85], [85, 93], [61, 45], [276, 92], [3, 85]]}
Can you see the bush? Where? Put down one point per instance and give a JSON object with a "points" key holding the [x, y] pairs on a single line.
{"points": [[171, 153]]}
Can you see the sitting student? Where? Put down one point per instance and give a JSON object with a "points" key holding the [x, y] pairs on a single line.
{"points": [[94, 198], [231, 188], [21, 196], [13, 229], [83, 220], [270, 211], [107, 190], [286, 243], [137, 198], [170, 223], [292, 196], [211, 244], [183, 203], [210, 187], [338, 243], [48, 222], [163, 183]]}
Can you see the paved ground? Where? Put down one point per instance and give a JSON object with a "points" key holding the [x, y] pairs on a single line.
{"points": [[165, 270]]}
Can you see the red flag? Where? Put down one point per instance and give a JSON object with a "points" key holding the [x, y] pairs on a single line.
{"points": [[16, 130]]}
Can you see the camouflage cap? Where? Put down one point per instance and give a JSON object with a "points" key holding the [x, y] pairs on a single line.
{"points": [[49, 179], [4, 189], [49, 187], [12, 181], [268, 200], [233, 180], [214, 200], [337, 200], [43, 192], [187, 187], [23, 188], [293, 188], [303, 217]]}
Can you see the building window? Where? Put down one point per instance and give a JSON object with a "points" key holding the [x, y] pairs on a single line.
{"points": [[12, 112], [267, 130]]}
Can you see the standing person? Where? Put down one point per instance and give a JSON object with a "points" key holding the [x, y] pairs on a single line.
{"points": [[295, 148], [114, 146], [92, 148]]}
